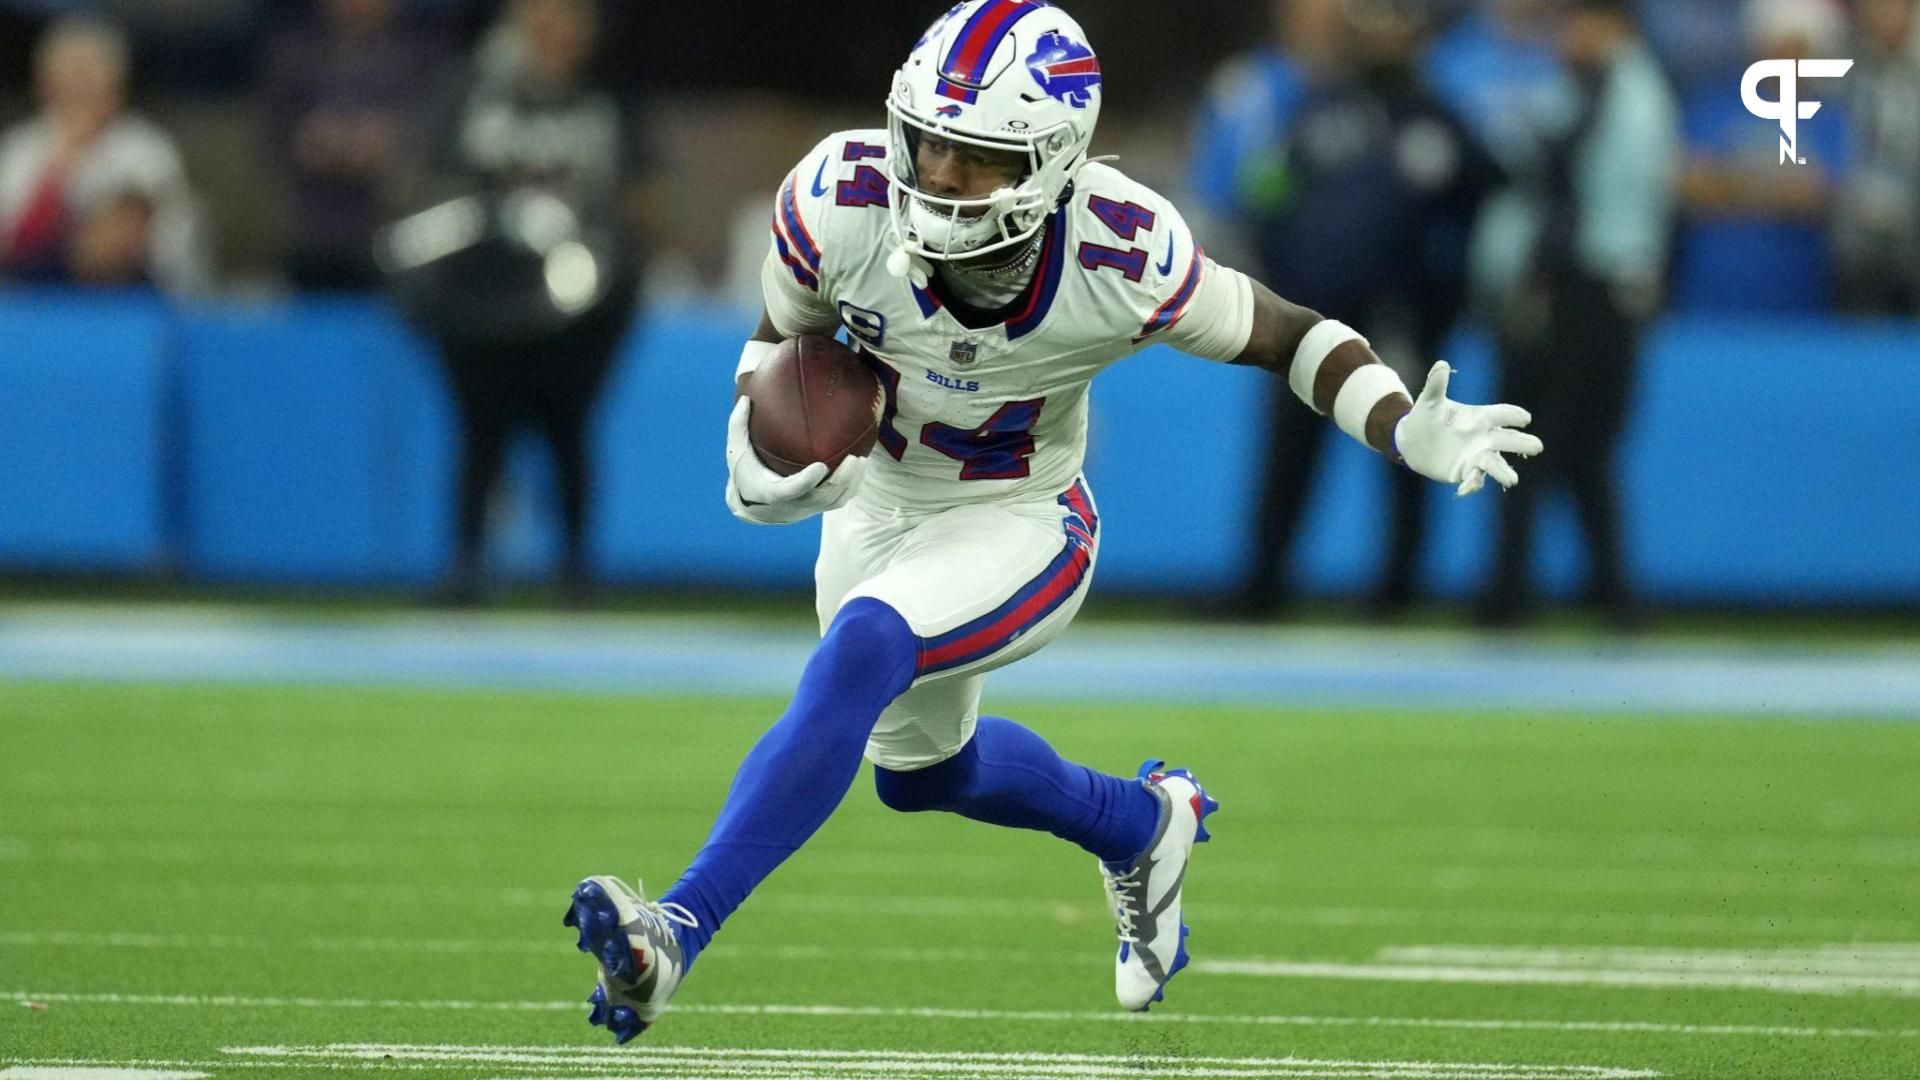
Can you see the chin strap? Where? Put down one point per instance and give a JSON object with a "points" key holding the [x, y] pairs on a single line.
{"points": [[905, 264]]}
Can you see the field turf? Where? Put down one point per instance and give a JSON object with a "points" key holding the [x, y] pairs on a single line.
{"points": [[266, 881]]}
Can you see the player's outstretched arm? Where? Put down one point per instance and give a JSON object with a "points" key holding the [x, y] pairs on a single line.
{"points": [[1333, 369]]}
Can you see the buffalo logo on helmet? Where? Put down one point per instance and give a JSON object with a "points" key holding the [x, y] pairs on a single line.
{"points": [[951, 112], [1066, 69]]}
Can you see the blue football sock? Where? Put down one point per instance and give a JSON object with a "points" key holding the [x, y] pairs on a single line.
{"points": [[801, 768], [1007, 775]]}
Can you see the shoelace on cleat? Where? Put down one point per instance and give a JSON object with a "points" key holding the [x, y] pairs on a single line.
{"points": [[1123, 912], [658, 914]]}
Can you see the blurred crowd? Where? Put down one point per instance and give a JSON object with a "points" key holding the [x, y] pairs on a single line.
{"points": [[503, 200], [351, 94], [366, 110], [1841, 231], [1559, 170]]}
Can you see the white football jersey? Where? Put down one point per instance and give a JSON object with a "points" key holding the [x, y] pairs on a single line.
{"points": [[997, 409]]}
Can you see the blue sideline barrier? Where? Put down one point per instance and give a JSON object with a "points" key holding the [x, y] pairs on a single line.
{"points": [[310, 442], [83, 432]]}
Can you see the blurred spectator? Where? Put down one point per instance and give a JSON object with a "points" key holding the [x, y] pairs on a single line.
{"points": [[1360, 211], [1756, 232], [89, 192], [1245, 118], [1696, 40], [1493, 66], [1876, 228], [528, 278], [341, 95], [1599, 211]]}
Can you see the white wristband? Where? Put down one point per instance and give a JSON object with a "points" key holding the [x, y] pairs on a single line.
{"points": [[1325, 336], [1364, 389], [750, 356]]}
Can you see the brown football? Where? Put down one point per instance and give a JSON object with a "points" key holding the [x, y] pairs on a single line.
{"points": [[814, 399]]}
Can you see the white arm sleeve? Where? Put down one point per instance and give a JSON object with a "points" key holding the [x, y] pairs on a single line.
{"points": [[1219, 321]]}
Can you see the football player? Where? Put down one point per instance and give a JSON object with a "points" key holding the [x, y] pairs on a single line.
{"points": [[989, 268]]}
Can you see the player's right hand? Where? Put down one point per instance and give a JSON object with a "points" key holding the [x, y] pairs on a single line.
{"points": [[759, 495]]}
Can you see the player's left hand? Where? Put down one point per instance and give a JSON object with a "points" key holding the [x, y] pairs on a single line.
{"points": [[1461, 444]]}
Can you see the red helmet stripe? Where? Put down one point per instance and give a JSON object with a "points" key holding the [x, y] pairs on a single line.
{"points": [[967, 60]]}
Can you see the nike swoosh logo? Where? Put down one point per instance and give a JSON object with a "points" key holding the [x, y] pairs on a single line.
{"points": [[1166, 267], [819, 188]]}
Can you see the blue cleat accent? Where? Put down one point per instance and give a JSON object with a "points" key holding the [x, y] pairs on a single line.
{"points": [[635, 945], [601, 937], [625, 1024], [1208, 804]]}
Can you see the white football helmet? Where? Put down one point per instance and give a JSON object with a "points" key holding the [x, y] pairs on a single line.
{"points": [[1002, 74]]}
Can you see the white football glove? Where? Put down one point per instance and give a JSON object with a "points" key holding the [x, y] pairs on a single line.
{"points": [[757, 494], [1461, 444]]}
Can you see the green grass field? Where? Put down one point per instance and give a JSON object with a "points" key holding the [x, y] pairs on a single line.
{"points": [[296, 881]]}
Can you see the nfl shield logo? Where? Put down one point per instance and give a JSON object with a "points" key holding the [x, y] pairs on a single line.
{"points": [[963, 352]]}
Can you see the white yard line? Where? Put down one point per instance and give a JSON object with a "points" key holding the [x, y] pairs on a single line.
{"points": [[849, 1066], [1890, 960], [1444, 1023], [811, 1061], [1635, 1027], [1536, 976], [678, 1071], [232, 1001], [74, 939], [227, 1064], [94, 1072], [422, 1051]]}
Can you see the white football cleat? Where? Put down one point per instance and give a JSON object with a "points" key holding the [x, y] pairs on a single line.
{"points": [[1144, 895], [638, 950]]}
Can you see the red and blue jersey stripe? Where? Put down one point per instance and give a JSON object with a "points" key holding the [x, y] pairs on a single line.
{"points": [[1031, 603], [1047, 280], [1169, 313], [965, 66], [928, 302], [791, 239]]}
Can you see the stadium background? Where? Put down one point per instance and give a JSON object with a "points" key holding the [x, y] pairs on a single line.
{"points": [[259, 808], [141, 444]]}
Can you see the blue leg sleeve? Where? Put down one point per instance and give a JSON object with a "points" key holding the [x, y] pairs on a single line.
{"points": [[1007, 775], [801, 768]]}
